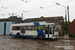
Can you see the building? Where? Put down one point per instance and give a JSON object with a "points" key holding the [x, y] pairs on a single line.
{"points": [[5, 25], [58, 20], [72, 26]]}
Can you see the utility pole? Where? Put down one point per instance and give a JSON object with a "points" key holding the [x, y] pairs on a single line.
{"points": [[22, 15], [12, 14], [68, 20]]}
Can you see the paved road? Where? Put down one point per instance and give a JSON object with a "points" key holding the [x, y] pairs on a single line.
{"points": [[12, 43]]}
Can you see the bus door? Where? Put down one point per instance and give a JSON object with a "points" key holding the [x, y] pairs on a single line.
{"points": [[22, 29], [49, 31]]}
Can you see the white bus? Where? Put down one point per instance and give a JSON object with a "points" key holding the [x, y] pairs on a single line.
{"points": [[39, 30]]}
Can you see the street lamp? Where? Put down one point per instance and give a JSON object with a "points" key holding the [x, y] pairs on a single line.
{"points": [[68, 17]]}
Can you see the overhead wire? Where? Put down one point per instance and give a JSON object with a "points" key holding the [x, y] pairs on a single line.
{"points": [[30, 3], [43, 6], [10, 6], [25, 1], [36, 5], [19, 2], [33, 4], [15, 4], [65, 3]]}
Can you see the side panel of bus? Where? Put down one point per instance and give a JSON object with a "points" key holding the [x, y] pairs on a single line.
{"points": [[32, 33]]}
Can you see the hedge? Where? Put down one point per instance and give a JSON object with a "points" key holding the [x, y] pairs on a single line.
{"points": [[71, 35]]}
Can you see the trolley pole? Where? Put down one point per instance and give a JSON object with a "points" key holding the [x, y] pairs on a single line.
{"points": [[12, 14]]}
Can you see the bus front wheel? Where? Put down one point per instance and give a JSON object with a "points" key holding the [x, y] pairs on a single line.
{"points": [[40, 36]]}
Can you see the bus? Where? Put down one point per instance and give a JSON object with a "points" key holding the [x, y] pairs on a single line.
{"points": [[40, 30]]}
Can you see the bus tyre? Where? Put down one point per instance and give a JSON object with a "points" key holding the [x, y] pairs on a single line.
{"points": [[40, 36], [18, 36]]}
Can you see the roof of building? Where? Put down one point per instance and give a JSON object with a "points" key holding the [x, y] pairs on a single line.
{"points": [[72, 21], [18, 20], [11, 19], [46, 18]]}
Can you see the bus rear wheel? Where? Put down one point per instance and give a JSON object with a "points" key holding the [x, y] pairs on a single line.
{"points": [[40, 36], [18, 35]]}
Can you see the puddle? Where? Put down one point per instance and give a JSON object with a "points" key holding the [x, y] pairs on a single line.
{"points": [[65, 47], [45, 44], [28, 42]]}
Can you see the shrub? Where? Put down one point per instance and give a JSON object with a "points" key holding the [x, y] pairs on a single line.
{"points": [[72, 35]]}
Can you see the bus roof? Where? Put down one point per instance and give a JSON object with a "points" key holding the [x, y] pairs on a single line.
{"points": [[32, 23]]}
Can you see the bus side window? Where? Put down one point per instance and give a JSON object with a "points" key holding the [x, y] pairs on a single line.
{"points": [[40, 27], [31, 27], [16, 28], [35, 27]]}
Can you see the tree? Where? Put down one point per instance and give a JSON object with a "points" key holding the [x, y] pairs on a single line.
{"points": [[66, 26], [42, 17], [13, 17]]}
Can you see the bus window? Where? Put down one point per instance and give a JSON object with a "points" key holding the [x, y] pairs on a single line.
{"points": [[28, 28], [41, 27], [16, 28], [31, 27], [34, 28], [48, 31]]}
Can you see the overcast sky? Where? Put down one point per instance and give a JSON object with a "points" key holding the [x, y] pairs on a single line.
{"points": [[36, 8]]}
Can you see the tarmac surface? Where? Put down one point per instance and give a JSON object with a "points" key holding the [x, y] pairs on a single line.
{"points": [[13, 43]]}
